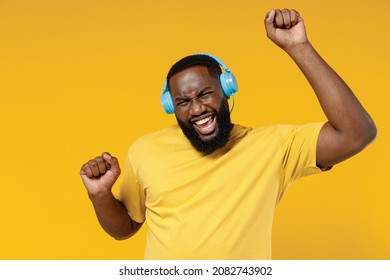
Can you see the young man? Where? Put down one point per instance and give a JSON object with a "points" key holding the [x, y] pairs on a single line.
{"points": [[208, 188]]}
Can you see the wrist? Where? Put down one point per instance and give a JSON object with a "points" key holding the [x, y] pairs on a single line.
{"points": [[299, 49], [102, 195]]}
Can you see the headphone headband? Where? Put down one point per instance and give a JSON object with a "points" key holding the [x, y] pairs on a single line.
{"points": [[220, 62]]}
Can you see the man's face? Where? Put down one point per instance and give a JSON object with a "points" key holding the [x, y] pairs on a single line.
{"points": [[201, 108]]}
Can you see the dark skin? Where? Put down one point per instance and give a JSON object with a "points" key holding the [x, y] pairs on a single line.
{"points": [[196, 94]]}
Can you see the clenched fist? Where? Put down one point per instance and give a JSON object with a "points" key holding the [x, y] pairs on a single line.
{"points": [[285, 28], [99, 174]]}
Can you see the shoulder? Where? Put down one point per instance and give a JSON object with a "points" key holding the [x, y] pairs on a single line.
{"points": [[169, 132], [285, 130], [275, 130], [280, 133], [154, 142], [299, 130]]}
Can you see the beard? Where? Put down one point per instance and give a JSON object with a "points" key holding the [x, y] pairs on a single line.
{"points": [[224, 126]]}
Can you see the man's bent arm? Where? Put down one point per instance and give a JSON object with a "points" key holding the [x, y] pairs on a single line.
{"points": [[113, 217], [349, 128], [99, 175]]}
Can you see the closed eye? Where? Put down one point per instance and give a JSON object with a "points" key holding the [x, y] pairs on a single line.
{"points": [[205, 94], [182, 102]]}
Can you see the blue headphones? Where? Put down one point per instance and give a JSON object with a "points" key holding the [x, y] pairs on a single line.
{"points": [[227, 80]]}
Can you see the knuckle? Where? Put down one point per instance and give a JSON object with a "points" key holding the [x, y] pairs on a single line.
{"points": [[98, 159], [86, 170]]}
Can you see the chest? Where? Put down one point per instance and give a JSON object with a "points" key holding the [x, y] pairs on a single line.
{"points": [[183, 177]]}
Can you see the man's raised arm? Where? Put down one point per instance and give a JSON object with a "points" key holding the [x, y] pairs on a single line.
{"points": [[349, 128]]}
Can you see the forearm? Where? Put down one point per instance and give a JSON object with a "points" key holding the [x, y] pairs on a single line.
{"points": [[113, 216], [343, 110]]}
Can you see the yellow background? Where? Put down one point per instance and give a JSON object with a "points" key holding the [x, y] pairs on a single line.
{"points": [[81, 77]]}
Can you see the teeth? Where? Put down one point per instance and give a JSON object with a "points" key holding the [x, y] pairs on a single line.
{"points": [[200, 122]]}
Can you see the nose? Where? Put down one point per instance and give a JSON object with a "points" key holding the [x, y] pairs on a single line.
{"points": [[197, 107]]}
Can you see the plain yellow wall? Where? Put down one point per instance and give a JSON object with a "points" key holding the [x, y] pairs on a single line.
{"points": [[81, 77]]}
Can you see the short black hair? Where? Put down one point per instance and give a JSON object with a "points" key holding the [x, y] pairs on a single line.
{"points": [[196, 60]]}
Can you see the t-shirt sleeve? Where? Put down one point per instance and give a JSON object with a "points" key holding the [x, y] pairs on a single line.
{"points": [[298, 147], [131, 193]]}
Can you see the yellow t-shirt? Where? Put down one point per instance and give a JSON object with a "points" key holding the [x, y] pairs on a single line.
{"points": [[219, 206]]}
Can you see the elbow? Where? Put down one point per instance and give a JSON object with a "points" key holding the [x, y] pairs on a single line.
{"points": [[366, 137], [123, 236], [120, 235], [131, 228], [371, 133], [120, 238]]}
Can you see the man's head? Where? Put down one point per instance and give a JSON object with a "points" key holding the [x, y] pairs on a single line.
{"points": [[201, 107]]}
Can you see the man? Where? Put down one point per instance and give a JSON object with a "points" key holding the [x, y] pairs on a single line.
{"points": [[208, 188]]}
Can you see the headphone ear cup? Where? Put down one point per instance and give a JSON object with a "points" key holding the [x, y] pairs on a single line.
{"points": [[167, 103], [228, 83]]}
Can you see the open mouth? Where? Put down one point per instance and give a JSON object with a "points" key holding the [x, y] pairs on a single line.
{"points": [[206, 125]]}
